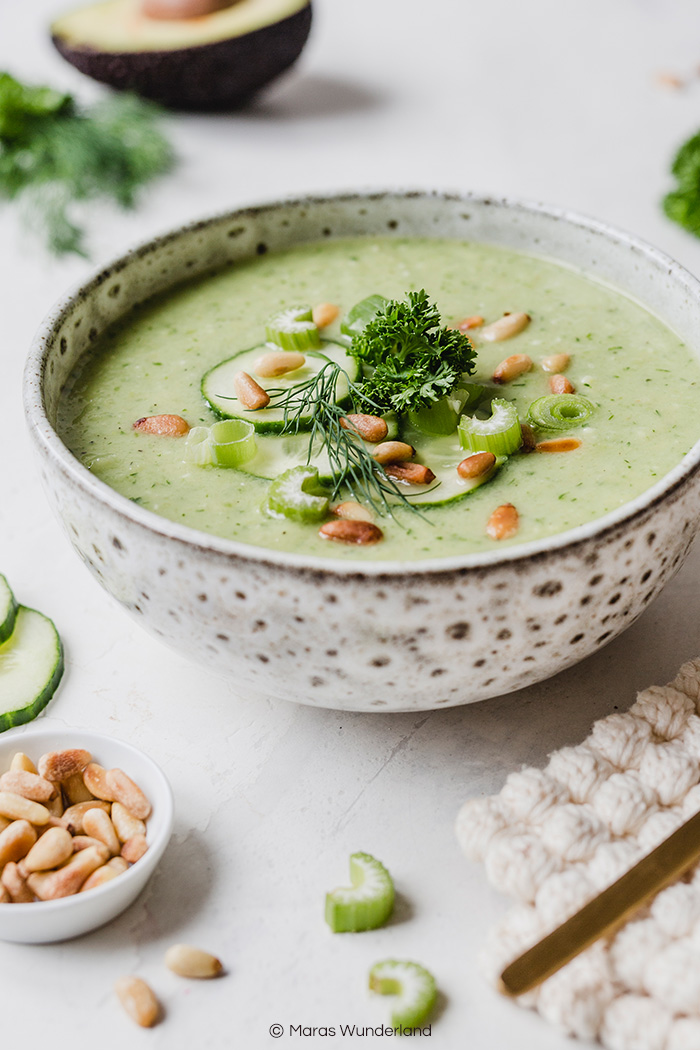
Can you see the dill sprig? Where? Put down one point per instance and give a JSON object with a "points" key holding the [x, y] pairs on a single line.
{"points": [[54, 154]]}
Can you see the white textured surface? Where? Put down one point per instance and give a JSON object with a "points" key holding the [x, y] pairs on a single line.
{"points": [[544, 100]]}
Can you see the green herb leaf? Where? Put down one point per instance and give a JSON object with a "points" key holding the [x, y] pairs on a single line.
{"points": [[410, 360], [682, 205], [53, 155]]}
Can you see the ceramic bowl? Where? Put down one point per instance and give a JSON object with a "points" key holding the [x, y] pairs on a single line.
{"points": [[384, 636], [60, 920]]}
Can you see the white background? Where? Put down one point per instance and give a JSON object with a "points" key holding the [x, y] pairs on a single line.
{"points": [[554, 101]]}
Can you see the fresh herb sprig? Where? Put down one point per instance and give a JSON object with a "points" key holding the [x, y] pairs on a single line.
{"points": [[682, 205], [54, 153], [411, 360]]}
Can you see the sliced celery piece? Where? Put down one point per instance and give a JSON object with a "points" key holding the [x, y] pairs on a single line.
{"points": [[560, 411], [439, 418], [299, 495], [228, 443], [367, 903], [413, 986], [500, 434], [361, 314], [294, 329], [198, 447]]}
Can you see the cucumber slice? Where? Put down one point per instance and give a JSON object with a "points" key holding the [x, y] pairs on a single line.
{"points": [[31, 665], [442, 455], [8, 610], [413, 986], [218, 391], [366, 904]]}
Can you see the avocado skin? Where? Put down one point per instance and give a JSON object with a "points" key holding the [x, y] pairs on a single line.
{"points": [[219, 76]]}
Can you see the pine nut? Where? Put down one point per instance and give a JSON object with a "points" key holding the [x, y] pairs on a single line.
{"points": [[278, 363], [72, 819], [250, 394], [125, 824], [59, 765], [49, 886], [52, 849], [187, 961], [16, 841], [75, 789], [4, 823], [410, 473], [511, 368], [117, 864], [505, 327], [503, 523], [352, 511], [393, 452], [16, 884], [21, 762], [28, 785], [529, 439], [130, 795], [370, 428], [134, 848], [138, 1000], [97, 824], [95, 778], [467, 323], [560, 384], [324, 314], [360, 532], [85, 841], [5, 897], [162, 426], [556, 363], [98, 878], [20, 808], [558, 445], [476, 465]]}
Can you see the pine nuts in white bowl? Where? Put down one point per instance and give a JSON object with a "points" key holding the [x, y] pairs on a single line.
{"points": [[43, 921]]}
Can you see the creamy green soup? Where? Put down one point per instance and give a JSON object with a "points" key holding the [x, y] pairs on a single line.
{"points": [[641, 378]]}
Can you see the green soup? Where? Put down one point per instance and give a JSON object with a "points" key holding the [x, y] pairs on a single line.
{"points": [[641, 378]]}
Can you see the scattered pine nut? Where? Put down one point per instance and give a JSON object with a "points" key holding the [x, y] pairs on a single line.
{"points": [[467, 323], [324, 314], [139, 1001], [411, 473], [29, 785], [556, 362], [352, 511], [187, 961], [503, 523], [162, 426], [130, 795], [59, 765], [529, 439], [476, 465], [250, 394], [370, 428], [558, 445], [560, 384], [278, 363], [512, 367], [669, 80], [505, 327], [134, 848], [393, 452], [360, 532]]}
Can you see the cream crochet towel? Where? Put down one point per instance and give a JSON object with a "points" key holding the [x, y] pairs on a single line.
{"points": [[554, 838]]}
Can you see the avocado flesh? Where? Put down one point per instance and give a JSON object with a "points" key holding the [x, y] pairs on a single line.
{"points": [[218, 63], [118, 25]]}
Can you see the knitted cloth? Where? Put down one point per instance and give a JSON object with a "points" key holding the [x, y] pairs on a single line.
{"points": [[554, 838]]}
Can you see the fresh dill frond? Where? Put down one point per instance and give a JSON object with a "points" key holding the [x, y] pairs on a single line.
{"points": [[53, 154], [410, 360]]}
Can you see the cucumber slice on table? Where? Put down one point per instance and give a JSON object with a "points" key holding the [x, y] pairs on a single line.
{"points": [[8, 610], [31, 665], [220, 395], [442, 454], [366, 904], [411, 984]]}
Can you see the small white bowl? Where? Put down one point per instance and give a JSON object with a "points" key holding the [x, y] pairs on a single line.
{"points": [[59, 920]]}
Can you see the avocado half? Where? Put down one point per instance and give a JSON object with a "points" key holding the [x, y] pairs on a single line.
{"points": [[218, 61]]}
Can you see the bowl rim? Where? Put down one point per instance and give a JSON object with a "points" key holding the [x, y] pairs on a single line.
{"points": [[165, 800], [208, 543]]}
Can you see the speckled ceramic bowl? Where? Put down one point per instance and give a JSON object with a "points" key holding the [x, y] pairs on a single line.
{"points": [[384, 636]]}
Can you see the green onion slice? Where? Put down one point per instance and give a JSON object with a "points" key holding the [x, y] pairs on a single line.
{"points": [[198, 447], [500, 434], [560, 411], [299, 495], [294, 329], [367, 903], [413, 986], [228, 443], [361, 314]]}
